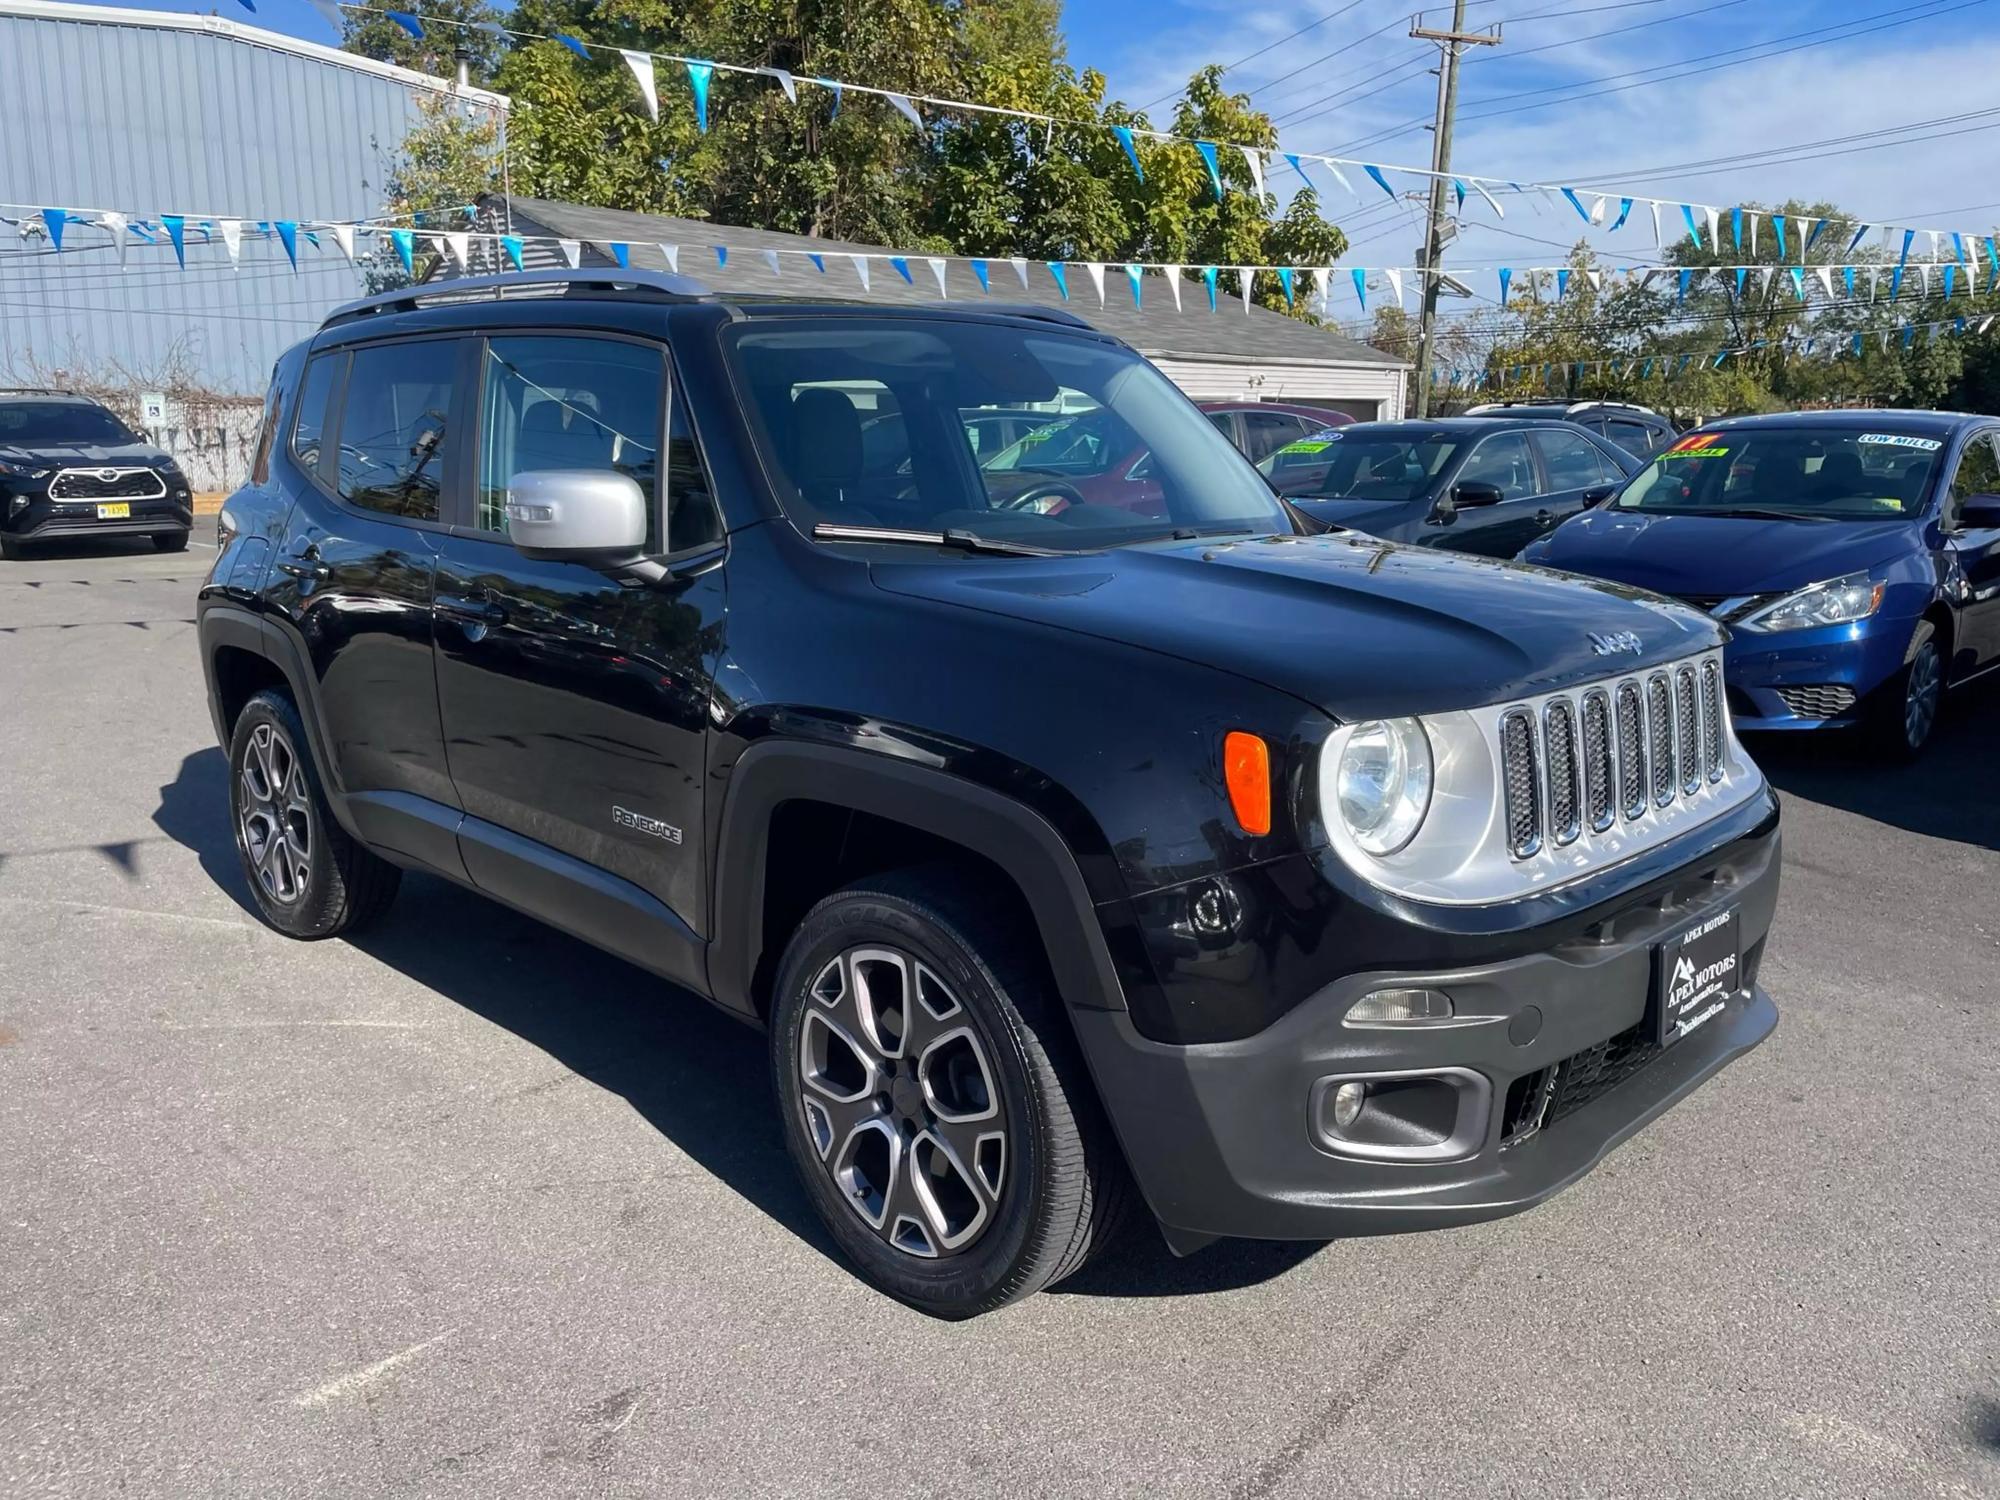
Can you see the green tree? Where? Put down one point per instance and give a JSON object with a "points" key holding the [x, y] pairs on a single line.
{"points": [[372, 34]]}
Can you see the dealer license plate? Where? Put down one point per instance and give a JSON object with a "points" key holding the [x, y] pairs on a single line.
{"points": [[1694, 972], [114, 512]]}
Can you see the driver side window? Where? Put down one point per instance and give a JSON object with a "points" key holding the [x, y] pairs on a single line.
{"points": [[1502, 460], [1978, 474]]}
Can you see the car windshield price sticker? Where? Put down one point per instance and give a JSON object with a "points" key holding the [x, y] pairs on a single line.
{"points": [[1898, 440], [1695, 973]]}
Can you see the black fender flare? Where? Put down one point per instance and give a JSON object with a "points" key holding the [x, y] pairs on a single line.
{"points": [[232, 626], [1016, 839]]}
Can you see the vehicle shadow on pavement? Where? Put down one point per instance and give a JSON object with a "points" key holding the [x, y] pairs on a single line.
{"points": [[1951, 793], [695, 1075]]}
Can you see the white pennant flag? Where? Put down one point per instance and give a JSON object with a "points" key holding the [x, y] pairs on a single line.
{"points": [[1254, 159], [1924, 273], [1323, 280], [1765, 289], [1096, 270], [1248, 277], [1656, 226], [1825, 275], [232, 237], [937, 270], [1020, 265], [1597, 211], [861, 269], [1596, 279], [1714, 226], [1395, 283], [641, 64], [673, 257], [1874, 281], [460, 244], [572, 251], [116, 224], [343, 236], [1934, 242], [1174, 284], [771, 260], [1753, 216], [1338, 175], [785, 82]]}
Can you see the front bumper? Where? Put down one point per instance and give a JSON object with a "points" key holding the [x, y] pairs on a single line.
{"points": [[1220, 1137], [46, 520], [1811, 679]]}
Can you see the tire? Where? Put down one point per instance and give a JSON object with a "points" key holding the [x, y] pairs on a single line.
{"points": [[10, 549], [1904, 711], [277, 804], [981, 1097], [171, 541]]}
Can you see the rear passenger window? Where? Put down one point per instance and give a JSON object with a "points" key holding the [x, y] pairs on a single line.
{"points": [[1634, 437], [315, 396], [569, 403], [393, 453], [1573, 461]]}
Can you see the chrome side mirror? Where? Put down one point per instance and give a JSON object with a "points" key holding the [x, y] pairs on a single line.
{"points": [[576, 515]]}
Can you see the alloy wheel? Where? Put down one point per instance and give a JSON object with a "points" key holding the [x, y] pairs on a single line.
{"points": [[273, 815], [1920, 697], [901, 1103]]}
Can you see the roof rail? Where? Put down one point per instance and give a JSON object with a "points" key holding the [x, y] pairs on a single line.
{"points": [[38, 390], [616, 280]]}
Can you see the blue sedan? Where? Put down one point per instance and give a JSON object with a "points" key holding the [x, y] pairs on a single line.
{"points": [[1854, 555]]}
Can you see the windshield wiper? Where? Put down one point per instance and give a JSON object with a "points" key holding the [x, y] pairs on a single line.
{"points": [[1752, 513], [958, 537]]}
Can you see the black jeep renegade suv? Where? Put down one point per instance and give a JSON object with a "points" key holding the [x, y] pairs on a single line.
{"points": [[1309, 884]]}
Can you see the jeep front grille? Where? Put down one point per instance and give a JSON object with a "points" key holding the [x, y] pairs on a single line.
{"points": [[1614, 759], [107, 484]]}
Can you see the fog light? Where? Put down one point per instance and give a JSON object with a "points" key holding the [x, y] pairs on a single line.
{"points": [[1347, 1102], [16, 505], [1401, 1007]]}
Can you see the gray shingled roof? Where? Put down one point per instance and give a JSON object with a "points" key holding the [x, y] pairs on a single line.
{"points": [[1155, 329]]}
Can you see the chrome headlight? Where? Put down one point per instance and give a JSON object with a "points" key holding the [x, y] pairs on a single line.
{"points": [[1379, 784], [1838, 601]]}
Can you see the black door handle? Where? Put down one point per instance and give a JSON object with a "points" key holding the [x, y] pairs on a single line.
{"points": [[470, 611], [305, 564], [1546, 518]]}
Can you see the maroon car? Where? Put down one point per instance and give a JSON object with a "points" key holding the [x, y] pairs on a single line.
{"points": [[1092, 458]]}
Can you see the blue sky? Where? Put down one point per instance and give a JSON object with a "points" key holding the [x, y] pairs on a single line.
{"points": [[1623, 93]]}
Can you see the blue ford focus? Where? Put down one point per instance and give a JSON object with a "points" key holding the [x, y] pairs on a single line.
{"points": [[1855, 557]]}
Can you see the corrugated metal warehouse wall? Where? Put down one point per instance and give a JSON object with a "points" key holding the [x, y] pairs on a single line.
{"points": [[150, 113]]}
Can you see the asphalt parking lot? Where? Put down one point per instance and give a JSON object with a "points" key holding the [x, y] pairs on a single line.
{"points": [[465, 1207]]}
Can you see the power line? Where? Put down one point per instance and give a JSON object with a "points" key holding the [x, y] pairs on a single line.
{"points": [[1251, 56]]}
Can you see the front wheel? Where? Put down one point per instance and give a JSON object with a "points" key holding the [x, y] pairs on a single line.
{"points": [[1906, 707], [170, 541], [932, 1100]]}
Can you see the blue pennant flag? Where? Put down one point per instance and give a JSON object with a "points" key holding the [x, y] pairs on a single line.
{"points": [[834, 113], [1380, 181], [1950, 278], [1857, 346], [1909, 238], [1799, 281], [288, 236], [1124, 134], [979, 269], [1847, 275], [574, 45], [1813, 235], [1909, 335], [1208, 280], [1958, 325], [54, 219], [1577, 204], [1360, 287], [1993, 250], [176, 228], [1778, 226], [621, 253], [405, 243], [1687, 276], [902, 268], [1135, 274], [1896, 283], [1062, 279], [1741, 272], [1459, 188], [1719, 359], [1207, 150], [1736, 229], [698, 75], [1646, 370], [1624, 213], [1285, 281], [722, 259], [407, 21], [1298, 167], [1958, 245], [511, 243], [1506, 280], [1860, 233], [1687, 213], [1562, 284], [819, 262]]}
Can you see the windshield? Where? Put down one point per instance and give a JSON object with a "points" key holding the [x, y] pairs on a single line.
{"points": [[1856, 474], [1356, 463], [820, 388], [26, 423]]}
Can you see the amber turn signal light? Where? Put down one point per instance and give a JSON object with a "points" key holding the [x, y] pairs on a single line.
{"points": [[1246, 769]]}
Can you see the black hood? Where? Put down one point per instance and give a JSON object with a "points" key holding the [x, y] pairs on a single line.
{"points": [[1358, 627]]}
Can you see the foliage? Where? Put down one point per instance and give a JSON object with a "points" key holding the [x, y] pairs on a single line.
{"points": [[372, 34]]}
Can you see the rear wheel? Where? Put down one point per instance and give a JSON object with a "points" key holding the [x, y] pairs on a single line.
{"points": [[310, 879], [932, 1100], [171, 541], [1905, 710]]}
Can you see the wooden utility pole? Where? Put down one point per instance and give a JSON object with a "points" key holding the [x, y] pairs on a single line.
{"points": [[1450, 45]]}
